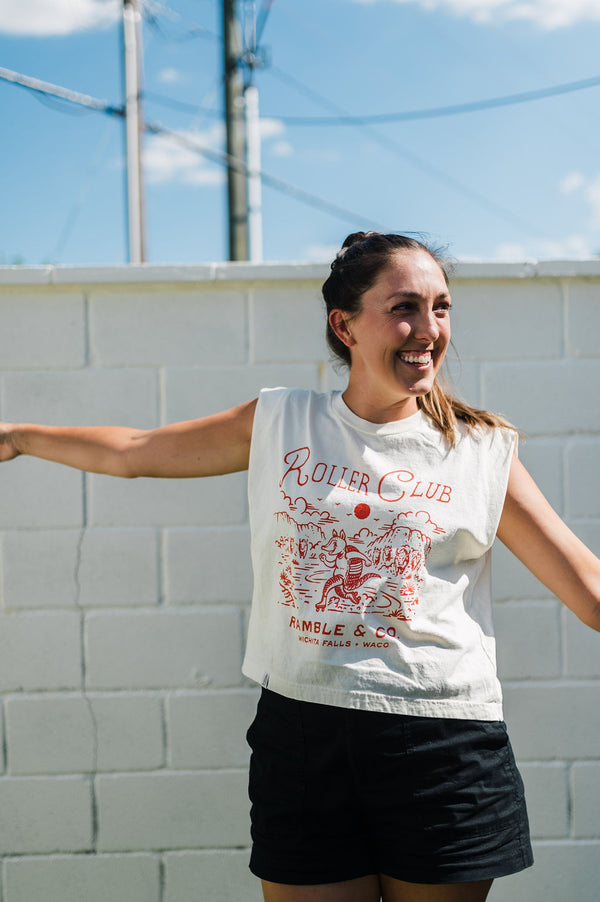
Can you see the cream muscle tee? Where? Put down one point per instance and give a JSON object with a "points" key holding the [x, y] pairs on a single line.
{"points": [[371, 555]]}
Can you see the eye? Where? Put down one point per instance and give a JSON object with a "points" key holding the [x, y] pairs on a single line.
{"points": [[443, 308], [403, 307]]}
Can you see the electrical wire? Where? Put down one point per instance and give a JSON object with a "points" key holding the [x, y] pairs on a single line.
{"points": [[220, 157], [349, 119], [50, 90], [419, 163], [263, 15], [451, 110], [152, 9], [267, 179]]}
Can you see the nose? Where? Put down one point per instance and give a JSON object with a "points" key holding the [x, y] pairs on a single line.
{"points": [[427, 327]]}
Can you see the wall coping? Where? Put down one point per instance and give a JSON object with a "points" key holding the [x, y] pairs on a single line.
{"points": [[150, 273]]}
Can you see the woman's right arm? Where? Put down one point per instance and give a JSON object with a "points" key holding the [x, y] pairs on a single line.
{"points": [[210, 446]]}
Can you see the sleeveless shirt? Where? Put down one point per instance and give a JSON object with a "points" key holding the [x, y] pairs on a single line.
{"points": [[371, 555]]}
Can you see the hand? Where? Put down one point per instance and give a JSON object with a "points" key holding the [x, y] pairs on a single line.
{"points": [[8, 449]]}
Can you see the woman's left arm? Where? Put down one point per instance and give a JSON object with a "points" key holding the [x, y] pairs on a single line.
{"points": [[533, 531]]}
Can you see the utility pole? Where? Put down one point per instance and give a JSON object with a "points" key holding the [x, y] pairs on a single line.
{"points": [[132, 20], [237, 195], [253, 156]]}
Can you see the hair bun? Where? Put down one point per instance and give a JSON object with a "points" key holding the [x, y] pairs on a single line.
{"points": [[355, 237]]}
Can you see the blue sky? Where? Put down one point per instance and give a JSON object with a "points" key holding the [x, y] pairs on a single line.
{"points": [[516, 182]]}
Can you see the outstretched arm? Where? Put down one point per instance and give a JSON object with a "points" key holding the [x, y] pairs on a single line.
{"points": [[533, 531], [209, 446]]}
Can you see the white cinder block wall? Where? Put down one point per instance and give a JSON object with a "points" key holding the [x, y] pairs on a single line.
{"points": [[124, 603]]}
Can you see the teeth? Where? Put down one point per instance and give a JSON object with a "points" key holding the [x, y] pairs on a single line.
{"points": [[416, 358]]}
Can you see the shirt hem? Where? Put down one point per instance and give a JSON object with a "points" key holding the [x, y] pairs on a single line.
{"points": [[458, 709]]}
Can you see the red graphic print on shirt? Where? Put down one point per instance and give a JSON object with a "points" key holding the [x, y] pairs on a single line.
{"points": [[362, 565]]}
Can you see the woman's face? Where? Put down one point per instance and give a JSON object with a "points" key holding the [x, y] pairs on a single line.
{"points": [[398, 340]]}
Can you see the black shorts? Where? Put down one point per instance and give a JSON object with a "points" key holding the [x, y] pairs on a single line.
{"points": [[339, 793]]}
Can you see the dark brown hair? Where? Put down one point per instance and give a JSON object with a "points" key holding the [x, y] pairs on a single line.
{"points": [[355, 269]]}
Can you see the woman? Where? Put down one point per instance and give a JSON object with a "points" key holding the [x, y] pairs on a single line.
{"points": [[381, 765]]}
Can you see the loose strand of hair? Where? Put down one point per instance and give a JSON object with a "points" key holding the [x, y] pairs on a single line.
{"points": [[445, 410]]}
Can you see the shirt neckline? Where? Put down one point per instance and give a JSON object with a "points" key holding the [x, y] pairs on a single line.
{"points": [[414, 423]]}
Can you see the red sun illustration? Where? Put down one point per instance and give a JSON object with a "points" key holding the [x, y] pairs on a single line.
{"points": [[362, 511]]}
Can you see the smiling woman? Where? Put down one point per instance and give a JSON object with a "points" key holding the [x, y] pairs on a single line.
{"points": [[381, 767]]}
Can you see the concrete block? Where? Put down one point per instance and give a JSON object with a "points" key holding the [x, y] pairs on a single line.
{"points": [[208, 565], [494, 320], [200, 391], [130, 732], [223, 875], [3, 741], [545, 398], [170, 325], [49, 735], [218, 501], [528, 639], [586, 799], [288, 326], [39, 568], [553, 720], [463, 378], [335, 376], [582, 478], [37, 494], [163, 649], [42, 328], [546, 791], [582, 648], [40, 651], [45, 814], [511, 579], [62, 734], [543, 459], [583, 317], [90, 568], [119, 567], [173, 811], [562, 870], [209, 729], [589, 533], [123, 397], [83, 878]]}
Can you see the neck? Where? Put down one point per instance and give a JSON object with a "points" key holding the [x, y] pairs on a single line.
{"points": [[378, 410]]}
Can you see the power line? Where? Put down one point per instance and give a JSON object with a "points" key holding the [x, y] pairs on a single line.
{"points": [[403, 152], [403, 116], [272, 181], [452, 110], [101, 106], [46, 88], [263, 15]]}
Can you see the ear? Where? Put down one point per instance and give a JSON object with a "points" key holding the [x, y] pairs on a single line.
{"points": [[337, 321]]}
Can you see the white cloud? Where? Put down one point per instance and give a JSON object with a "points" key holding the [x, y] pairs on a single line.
{"points": [[588, 188], [571, 247], [320, 253], [282, 149], [571, 182], [170, 76], [41, 18], [271, 128], [167, 158], [545, 13]]}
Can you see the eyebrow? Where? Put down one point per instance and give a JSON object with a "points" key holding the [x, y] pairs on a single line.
{"points": [[414, 295]]}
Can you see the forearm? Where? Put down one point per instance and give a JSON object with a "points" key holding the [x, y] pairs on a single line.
{"points": [[209, 446], [96, 449]]}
